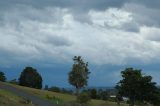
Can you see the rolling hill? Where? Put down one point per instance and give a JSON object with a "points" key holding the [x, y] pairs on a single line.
{"points": [[59, 99]]}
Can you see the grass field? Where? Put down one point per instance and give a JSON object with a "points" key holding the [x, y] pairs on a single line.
{"points": [[62, 98], [9, 99]]}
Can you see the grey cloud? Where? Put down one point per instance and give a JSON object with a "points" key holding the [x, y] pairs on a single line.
{"points": [[78, 4], [78, 7], [51, 32], [148, 3], [143, 15], [57, 41]]}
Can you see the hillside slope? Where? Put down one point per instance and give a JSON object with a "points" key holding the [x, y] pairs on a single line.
{"points": [[58, 98], [9, 99]]}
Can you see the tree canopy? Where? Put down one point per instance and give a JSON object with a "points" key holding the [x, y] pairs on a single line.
{"points": [[31, 78], [136, 86], [78, 76]]}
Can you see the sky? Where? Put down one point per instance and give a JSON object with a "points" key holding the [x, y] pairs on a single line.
{"points": [[109, 34]]}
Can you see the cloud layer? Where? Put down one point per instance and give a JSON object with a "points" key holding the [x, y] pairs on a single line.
{"points": [[110, 36], [104, 32]]}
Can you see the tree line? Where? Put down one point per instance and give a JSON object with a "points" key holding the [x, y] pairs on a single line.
{"points": [[134, 85]]}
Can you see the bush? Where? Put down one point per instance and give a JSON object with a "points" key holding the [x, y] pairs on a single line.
{"points": [[83, 98], [54, 89], [102, 94], [93, 93], [2, 77]]}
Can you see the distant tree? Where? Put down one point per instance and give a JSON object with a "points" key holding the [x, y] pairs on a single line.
{"points": [[63, 90], [54, 89], [102, 94], [93, 93], [2, 77], [79, 74], [31, 78], [135, 86]]}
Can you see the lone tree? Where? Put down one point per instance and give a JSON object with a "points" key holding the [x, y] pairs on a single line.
{"points": [[136, 86], [79, 74], [2, 77], [31, 78]]}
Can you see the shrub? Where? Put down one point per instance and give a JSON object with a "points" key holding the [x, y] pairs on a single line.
{"points": [[83, 98], [54, 89]]}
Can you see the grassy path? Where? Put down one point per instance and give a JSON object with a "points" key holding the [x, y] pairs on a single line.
{"points": [[35, 100]]}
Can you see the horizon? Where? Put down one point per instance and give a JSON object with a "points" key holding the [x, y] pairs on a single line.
{"points": [[111, 35]]}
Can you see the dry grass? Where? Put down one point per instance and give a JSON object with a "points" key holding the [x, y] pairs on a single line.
{"points": [[10, 99], [62, 98]]}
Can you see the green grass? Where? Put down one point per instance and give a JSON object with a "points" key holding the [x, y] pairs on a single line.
{"points": [[9, 99], [62, 98]]}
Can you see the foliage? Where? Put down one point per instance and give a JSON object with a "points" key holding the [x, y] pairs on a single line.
{"points": [[31, 78], [135, 86], [155, 100], [93, 93], [2, 77], [59, 90], [63, 90], [83, 98], [102, 94], [118, 98], [97, 94], [79, 73], [54, 89]]}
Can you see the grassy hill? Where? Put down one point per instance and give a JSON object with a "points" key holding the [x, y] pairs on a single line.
{"points": [[57, 98], [60, 98], [9, 99]]}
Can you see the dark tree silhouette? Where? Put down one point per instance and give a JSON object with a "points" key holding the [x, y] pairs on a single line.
{"points": [[136, 86], [2, 77], [31, 78]]}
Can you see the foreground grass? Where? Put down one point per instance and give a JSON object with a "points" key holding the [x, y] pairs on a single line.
{"points": [[9, 99], [60, 98]]}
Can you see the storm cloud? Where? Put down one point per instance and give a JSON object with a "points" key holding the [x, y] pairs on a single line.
{"points": [[104, 32]]}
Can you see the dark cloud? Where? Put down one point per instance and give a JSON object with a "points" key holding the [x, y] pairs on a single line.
{"points": [[79, 4], [148, 3], [147, 14], [58, 41], [82, 5]]}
